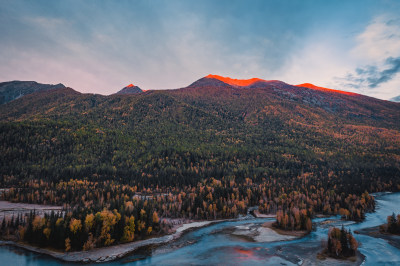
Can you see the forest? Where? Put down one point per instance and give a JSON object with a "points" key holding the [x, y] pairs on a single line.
{"points": [[122, 166]]}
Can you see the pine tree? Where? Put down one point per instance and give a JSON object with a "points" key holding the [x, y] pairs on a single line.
{"points": [[344, 241]]}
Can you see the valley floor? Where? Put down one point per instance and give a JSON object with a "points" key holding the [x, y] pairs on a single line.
{"points": [[250, 238]]}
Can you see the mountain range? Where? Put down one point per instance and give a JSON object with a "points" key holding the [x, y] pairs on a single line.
{"points": [[266, 127]]}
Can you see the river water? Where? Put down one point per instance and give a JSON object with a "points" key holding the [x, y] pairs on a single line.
{"points": [[227, 243]]}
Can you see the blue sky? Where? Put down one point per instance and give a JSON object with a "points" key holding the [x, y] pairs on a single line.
{"points": [[101, 46]]}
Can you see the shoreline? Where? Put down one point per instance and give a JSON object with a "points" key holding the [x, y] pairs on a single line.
{"points": [[110, 253], [257, 214], [115, 252], [374, 231], [324, 258], [294, 233]]}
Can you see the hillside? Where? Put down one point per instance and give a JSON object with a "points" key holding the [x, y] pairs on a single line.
{"points": [[206, 151], [290, 127], [12, 90]]}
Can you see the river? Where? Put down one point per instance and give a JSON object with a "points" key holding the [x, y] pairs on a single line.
{"points": [[228, 243]]}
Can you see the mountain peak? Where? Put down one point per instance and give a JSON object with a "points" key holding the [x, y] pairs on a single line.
{"points": [[235, 82], [130, 89], [314, 87]]}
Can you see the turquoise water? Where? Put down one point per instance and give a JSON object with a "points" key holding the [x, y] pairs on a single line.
{"points": [[216, 244]]}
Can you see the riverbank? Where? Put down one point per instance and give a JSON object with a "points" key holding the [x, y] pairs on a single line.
{"points": [[293, 233], [110, 253], [324, 259], [220, 244], [257, 214], [392, 239]]}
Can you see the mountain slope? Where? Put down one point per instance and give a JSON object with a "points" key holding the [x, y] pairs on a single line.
{"points": [[261, 96], [313, 87], [208, 129], [12, 90], [207, 151]]}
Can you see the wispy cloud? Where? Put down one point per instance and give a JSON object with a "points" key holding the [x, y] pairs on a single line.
{"points": [[379, 40], [377, 54], [371, 76]]}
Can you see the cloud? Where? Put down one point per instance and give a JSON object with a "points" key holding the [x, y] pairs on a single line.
{"points": [[376, 55], [384, 76], [100, 46], [379, 40], [372, 76]]}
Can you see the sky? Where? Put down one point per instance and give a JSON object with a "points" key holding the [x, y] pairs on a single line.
{"points": [[97, 46]]}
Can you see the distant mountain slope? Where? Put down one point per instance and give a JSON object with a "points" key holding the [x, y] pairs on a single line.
{"points": [[130, 89], [395, 99], [40, 103], [12, 90], [260, 96]]}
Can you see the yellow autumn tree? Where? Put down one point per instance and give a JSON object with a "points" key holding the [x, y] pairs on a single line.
{"points": [[47, 232], [109, 219], [141, 225], [67, 244], [90, 243], [129, 230], [156, 220], [142, 214], [129, 206], [89, 222], [37, 223], [59, 221], [75, 225]]}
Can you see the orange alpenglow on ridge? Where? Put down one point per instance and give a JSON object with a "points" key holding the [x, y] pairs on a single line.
{"points": [[130, 85], [235, 82], [313, 87]]}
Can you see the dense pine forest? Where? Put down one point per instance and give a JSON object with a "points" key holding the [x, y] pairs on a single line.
{"points": [[341, 243], [123, 165]]}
